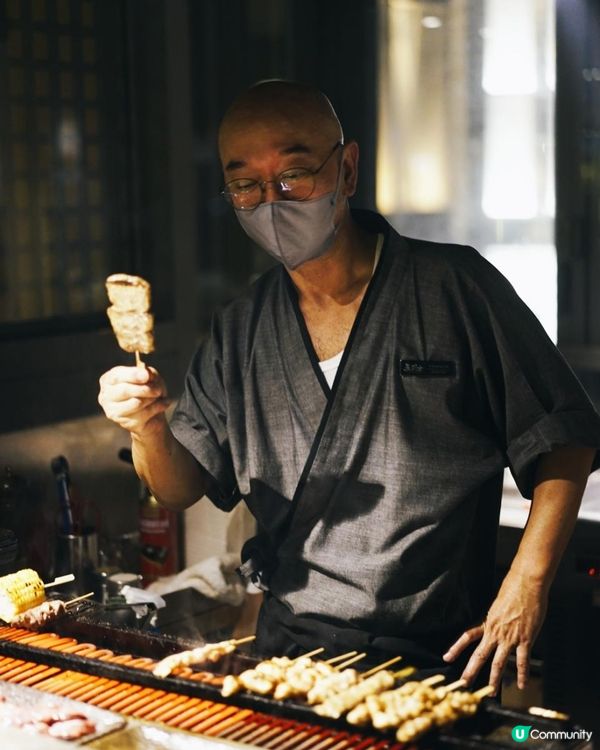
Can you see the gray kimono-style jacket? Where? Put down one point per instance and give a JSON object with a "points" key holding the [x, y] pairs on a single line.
{"points": [[378, 501]]}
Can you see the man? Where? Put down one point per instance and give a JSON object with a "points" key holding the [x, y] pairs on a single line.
{"points": [[363, 398]]}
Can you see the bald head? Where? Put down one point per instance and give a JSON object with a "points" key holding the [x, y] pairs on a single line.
{"points": [[285, 106]]}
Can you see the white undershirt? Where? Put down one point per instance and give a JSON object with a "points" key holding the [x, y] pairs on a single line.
{"points": [[329, 367]]}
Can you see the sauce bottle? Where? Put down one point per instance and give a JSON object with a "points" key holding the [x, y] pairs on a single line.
{"points": [[159, 540], [159, 534]]}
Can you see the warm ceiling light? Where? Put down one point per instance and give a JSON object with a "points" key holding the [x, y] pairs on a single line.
{"points": [[431, 22]]}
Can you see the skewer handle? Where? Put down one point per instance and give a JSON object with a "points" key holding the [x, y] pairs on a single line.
{"points": [[385, 664], [310, 653], [435, 679], [79, 598], [350, 661], [454, 685], [341, 657], [247, 639], [59, 580]]}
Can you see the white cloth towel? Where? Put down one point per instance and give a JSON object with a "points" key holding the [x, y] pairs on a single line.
{"points": [[215, 578]]}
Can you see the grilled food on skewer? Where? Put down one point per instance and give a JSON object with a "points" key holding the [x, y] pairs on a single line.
{"points": [[334, 683], [454, 706], [19, 592], [281, 676], [284, 677], [389, 708], [37, 617], [212, 652], [342, 702], [129, 313], [40, 615]]}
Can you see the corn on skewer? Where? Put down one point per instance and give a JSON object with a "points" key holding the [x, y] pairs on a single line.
{"points": [[19, 592]]}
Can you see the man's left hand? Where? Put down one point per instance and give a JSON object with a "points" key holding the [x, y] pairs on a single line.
{"points": [[513, 622]]}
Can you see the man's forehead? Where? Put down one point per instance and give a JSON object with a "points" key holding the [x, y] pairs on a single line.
{"points": [[244, 144]]}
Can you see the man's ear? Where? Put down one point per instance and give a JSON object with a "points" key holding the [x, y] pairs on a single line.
{"points": [[350, 168]]}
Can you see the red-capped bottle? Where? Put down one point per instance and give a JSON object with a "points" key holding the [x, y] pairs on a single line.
{"points": [[159, 540]]}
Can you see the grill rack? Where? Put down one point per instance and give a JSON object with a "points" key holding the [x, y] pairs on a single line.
{"points": [[125, 684]]}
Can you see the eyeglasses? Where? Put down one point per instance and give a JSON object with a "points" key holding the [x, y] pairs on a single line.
{"points": [[297, 183]]}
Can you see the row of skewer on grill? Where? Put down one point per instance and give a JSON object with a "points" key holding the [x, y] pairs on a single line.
{"points": [[336, 689], [332, 687], [23, 601]]}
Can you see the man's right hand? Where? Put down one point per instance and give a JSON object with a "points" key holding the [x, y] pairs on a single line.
{"points": [[135, 398]]}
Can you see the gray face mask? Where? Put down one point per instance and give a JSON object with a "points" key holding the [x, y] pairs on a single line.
{"points": [[293, 231]]}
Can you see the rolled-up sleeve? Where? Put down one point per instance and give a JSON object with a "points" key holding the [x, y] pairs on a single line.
{"points": [[536, 401]]}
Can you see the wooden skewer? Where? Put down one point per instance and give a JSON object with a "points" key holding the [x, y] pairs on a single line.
{"points": [[138, 360], [79, 598], [433, 680], [247, 639], [61, 579], [454, 686], [340, 657], [310, 653], [485, 691], [406, 672], [385, 664], [348, 662]]}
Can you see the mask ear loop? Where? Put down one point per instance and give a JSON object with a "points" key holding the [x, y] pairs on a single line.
{"points": [[338, 184]]}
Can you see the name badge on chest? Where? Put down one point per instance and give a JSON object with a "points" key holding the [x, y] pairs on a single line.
{"points": [[427, 368]]}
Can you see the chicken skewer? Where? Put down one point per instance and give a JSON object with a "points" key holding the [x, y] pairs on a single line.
{"points": [[389, 708], [36, 617], [129, 313], [453, 706], [341, 702], [300, 678], [211, 652], [285, 677], [271, 675]]}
